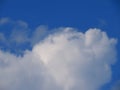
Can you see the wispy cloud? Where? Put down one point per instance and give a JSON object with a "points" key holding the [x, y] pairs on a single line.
{"points": [[4, 21], [16, 34]]}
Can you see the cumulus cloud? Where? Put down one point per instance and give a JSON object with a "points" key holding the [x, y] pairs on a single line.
{"points": [[65, 60]]}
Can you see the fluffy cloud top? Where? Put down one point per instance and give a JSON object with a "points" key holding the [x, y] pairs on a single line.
{"points": [[65, 60]]}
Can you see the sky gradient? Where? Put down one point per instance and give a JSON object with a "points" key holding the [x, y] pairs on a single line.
{"points": [[23, 24]]}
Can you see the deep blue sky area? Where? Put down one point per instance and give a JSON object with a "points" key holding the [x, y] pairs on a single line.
{"points": [[81, 14], [76, 13]]}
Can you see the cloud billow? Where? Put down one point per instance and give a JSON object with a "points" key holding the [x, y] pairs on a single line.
{"points": [[64, 60]]}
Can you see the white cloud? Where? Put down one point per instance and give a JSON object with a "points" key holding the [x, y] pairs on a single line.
{"points": [[65, 60]]}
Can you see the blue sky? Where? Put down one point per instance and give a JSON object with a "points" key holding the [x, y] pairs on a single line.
{"points": [[80, 14]]}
